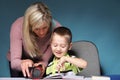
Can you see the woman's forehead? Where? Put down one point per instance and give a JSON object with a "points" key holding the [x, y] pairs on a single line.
{"points": [[41, 25]]}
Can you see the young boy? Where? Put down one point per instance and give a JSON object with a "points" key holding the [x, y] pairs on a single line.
{"points": [[63, 63]]}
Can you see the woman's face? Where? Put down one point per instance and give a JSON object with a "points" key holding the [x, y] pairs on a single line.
{"points": [[59, 45], [42, 30]]}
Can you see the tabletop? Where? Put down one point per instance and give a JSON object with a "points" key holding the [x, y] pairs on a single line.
{"points": [[108, 77]]}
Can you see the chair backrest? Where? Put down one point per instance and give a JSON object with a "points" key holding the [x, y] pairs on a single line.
{"points": [[88, 51]]}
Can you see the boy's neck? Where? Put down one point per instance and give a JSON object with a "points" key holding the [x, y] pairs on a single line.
{"points": [[56, 58]]}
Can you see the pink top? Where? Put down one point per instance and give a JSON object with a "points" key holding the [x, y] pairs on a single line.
{"points": [[16, 44]]}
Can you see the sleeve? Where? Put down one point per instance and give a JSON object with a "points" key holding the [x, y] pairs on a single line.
{"points": [[16, 44]]}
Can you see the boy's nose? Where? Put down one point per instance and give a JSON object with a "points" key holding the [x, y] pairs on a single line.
{"points": [[58, 48]]}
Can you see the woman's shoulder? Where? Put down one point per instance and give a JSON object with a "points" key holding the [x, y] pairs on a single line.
{"points": [[17, 24], [18, 21]]}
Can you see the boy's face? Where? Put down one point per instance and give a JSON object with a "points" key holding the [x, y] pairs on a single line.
{"points": [[59, 45]]}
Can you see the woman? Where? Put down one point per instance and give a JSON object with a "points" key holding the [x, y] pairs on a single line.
{"points": [[29, 39]]}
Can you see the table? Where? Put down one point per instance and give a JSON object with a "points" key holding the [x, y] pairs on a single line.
{"points": [[112, 77]]}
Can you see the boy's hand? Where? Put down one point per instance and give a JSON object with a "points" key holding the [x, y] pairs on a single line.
{"points": [[60, 65]]}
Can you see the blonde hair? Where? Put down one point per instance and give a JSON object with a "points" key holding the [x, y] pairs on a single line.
{"points": [[34, 16]]}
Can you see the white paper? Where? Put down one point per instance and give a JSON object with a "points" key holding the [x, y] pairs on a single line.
{"points": [[100, 78]]}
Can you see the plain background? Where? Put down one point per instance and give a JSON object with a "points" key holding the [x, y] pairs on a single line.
{"points": [[93, 20]]}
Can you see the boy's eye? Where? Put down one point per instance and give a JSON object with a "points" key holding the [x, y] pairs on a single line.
{"points": [[55, 45], [63, 46]]}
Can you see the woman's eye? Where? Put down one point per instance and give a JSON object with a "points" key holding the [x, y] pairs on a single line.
{"points": [[45, 28], [36, 29]]}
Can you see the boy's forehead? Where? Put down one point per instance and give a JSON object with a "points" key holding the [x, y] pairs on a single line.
{"points": [[59, 38]]}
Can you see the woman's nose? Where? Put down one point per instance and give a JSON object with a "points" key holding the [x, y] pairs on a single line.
{"points": [[41, 31]]}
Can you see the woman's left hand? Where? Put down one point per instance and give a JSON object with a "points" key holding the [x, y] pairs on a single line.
{"points": [[43, 67]]}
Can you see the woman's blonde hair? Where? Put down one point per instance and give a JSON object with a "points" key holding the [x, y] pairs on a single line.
{"points": [[34, 16]]}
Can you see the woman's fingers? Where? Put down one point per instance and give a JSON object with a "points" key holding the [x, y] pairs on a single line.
{"points": [[25, 67], [42, 65], [27, 71], [23, 71]]}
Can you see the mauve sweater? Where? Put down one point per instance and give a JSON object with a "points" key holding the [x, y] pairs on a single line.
{"points": [[17, 46]]}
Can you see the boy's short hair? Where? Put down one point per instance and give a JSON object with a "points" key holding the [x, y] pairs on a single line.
{"points": [[64, 31]]}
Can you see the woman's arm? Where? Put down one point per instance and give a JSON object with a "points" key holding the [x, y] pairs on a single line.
{"points": [[16, 43]]}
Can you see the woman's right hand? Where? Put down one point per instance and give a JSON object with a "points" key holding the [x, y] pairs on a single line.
{"points": [[25, 64]]}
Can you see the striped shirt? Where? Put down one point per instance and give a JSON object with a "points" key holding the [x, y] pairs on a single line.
{"points": [[69, 69]]}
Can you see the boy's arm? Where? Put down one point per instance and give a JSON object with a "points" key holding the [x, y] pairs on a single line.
{"points": [[79, 62]]}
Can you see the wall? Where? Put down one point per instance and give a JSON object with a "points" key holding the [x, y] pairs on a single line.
{"points": [[94, 20]]}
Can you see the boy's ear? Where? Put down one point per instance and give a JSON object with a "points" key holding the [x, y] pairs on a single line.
{"points": [[70, 46]]}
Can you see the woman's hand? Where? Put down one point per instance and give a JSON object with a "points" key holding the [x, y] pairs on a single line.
{"points": [[25, 64], [42, 65]]}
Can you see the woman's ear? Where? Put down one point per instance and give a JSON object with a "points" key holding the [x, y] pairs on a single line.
{"points": [[70, 46]]}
